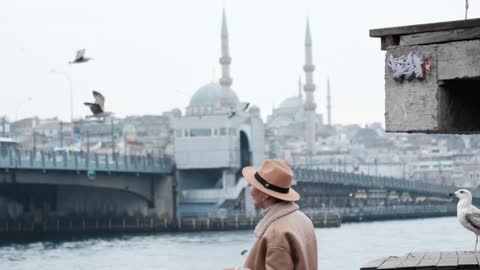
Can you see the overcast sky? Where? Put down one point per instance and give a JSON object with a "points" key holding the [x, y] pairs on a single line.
{"points": [[151, 56]]}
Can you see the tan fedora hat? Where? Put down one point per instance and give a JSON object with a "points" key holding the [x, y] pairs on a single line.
{"points": [[273, 178]]}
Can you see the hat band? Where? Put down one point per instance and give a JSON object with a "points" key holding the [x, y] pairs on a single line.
{"points": [[267, 185]]}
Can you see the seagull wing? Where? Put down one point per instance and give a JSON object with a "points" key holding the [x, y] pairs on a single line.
{"points": [[99, 99], [473, 219], [80, 54]]}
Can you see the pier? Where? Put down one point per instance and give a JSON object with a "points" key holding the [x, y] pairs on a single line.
{"points": [[451, 260], [12, 230]]}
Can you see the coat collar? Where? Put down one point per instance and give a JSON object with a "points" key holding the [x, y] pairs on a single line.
{"points": [[275, 212]]}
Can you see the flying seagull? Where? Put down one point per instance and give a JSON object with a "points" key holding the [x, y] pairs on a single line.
{"points": [[241, 107], [468, 215], [97, 108], [80, 57]]}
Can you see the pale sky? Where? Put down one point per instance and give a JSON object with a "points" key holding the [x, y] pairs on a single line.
{"points": [[151, 56]]}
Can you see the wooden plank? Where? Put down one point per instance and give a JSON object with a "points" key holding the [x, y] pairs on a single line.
{"points": [[440, 36], [373, 265], [477, 256], [448, 261], [429, 261], [411, 262], [392, 262], [422, 28], [467, 260]]}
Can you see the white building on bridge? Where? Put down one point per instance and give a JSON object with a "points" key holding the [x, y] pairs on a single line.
{"points": [[214, 140]]}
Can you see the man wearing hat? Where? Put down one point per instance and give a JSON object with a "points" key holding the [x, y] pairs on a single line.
{"points": [[285, 237]]}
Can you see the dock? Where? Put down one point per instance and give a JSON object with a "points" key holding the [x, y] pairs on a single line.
{"points": [[450, 260]]}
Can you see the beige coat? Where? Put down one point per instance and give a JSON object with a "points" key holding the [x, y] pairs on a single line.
{"points": [[285, 240]]}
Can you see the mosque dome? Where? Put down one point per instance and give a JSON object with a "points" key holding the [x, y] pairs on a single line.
{"points": [[292, 102], [211, 95]]}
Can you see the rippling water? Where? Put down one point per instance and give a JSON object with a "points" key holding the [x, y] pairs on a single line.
{"points": [[342, 248]]}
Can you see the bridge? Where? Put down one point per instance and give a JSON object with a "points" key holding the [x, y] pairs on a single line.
{"points": [[88, 184], [371, 182], [366, 197], [81, 183]]}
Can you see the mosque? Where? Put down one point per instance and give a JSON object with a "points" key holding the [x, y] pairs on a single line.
{"points": [[219, 135], [214, 140], [294, 126]]}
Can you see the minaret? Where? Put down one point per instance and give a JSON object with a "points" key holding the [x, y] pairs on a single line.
{"points": [[309, 88], [225, 60], [300, 87], [329, 104]]}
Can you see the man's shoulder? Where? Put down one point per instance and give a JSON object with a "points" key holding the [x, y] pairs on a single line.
{"points": [[291, 222]]}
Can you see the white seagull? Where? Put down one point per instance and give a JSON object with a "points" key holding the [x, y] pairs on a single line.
{"points": [[468, 215]]}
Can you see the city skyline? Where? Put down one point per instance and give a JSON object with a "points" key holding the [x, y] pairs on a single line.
{"points": [[151, 58]]}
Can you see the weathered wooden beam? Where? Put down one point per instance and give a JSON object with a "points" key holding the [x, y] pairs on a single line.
{"points": [[422, 28], [373, 265], [467, 260], [439, 36], [411, 262], [429, 261], [392, 262], [448, 260]]}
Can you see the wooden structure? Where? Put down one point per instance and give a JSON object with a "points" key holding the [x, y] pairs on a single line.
{"points": [[432, 73], [428, 260]]}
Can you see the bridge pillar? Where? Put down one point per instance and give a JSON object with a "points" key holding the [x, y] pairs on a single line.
{"points": [[163, 198]]}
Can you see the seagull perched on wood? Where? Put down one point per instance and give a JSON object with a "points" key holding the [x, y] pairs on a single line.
{"points": [[468, 215], [80, 57], [97, 108]]}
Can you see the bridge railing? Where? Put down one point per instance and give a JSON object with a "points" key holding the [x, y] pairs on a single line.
{"points": [[84, 161], [368, 181]]}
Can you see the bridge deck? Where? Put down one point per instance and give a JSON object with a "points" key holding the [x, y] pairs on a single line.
{"points": [[84, 162], [368, 181], [428, 260]]}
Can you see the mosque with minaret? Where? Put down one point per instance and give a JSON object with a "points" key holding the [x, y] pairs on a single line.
{"points": [[293, 127], [219, 135]]}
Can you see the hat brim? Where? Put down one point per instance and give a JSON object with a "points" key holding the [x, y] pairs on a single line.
{"points": [[249, 172]]}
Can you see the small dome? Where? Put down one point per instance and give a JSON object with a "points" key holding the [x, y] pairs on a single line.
{"points": [[211, 95], [292, 102]]}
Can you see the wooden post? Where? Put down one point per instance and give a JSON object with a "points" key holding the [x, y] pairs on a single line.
{"points": [[194, 224], [165, 222], [208, 223], [236, 221]]}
